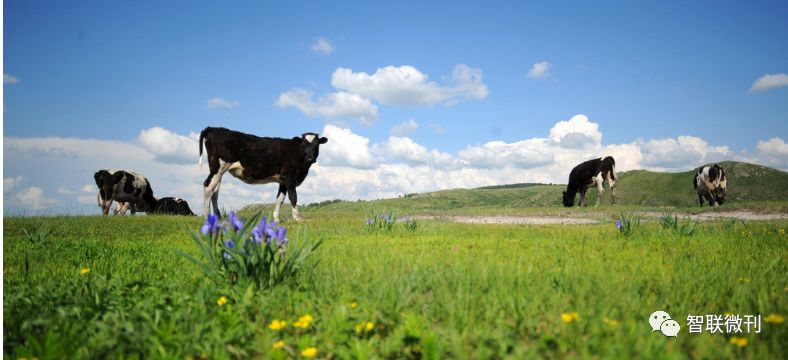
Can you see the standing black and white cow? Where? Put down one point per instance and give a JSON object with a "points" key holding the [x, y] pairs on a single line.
{"points": [[258, 160], [711, 183], [131, 190], [590, 173], [172, 206]]}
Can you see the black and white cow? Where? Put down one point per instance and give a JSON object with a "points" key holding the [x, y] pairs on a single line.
{"points": [[590, 173], [711, 183], [172, 206], [131, 190], [258, 160]]}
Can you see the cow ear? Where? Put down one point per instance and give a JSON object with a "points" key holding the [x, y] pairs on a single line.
{"points": [[323, 140], [296, 138]]}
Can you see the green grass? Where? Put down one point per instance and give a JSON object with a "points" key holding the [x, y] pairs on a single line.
{"points": [[445, 290]]}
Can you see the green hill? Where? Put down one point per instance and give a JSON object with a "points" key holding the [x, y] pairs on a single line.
{"points": [[746, 183]]}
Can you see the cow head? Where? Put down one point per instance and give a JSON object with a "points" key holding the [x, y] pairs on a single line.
{"points": [[569, 199], [310, 145]]}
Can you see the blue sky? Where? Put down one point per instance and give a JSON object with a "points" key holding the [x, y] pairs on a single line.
{"points": [[489, 93]]}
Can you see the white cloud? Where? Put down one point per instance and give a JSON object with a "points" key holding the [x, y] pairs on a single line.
{"points": [[680, 153], [217, 102], [768, 82], [34, 199], [322, 46], [405, 128], [169, 147], [406, 150], [773, 152], [576, 133], [9, 79], [344, 148], [406, 85], [10, 183], [498, 154], [333, 105], [540, 70]]}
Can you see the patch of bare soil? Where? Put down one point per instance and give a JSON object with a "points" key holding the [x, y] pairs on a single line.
{"points": [[733, 214], [546, 220], [497, 219]]}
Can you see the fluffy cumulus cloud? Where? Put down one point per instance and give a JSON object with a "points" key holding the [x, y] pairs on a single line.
{"points": [[336, 105], [405, 128], [322, 46], [540, 70], [403, 149], [406, 85], [576, 133], [219, 103], [169, 147], [346, 149], [350, 165], [675, 154], [774, 152], [769, 82]]}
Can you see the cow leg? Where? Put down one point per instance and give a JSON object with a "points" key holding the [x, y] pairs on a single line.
{"points": [[612, 189], [123, 208], [215, 200], [291, 193], [700, 199], [280, 198], [211, 188], [583, 196], [600, 189]]}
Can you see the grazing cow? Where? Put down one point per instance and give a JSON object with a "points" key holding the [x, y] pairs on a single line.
{"points": [[172, 206], [129, 189], [590, 173], [710, 183], [258, 160]]}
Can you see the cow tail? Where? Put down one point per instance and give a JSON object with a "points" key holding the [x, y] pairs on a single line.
{"points": [[202, 137]]}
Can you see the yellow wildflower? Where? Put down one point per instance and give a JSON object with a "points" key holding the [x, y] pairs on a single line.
{"points": [[610, 322], [84, 271], [222, 301], [309, 352], [774, 319], [358, 328], [278, 345], [304, 321], [353, 305], [782, 231], [370, 326], [277, 325], [570, 317], [739, 341]]}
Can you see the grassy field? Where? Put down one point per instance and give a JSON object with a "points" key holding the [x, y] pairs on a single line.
{"points": [[441, 290]]}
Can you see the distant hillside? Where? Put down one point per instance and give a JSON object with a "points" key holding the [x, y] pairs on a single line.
{"points": [[746, 183]]}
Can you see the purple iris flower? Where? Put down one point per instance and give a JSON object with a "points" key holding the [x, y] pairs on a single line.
{"points": [[259, 231], [619, 225], [370, 221], [235, 221], [281, 236], [230, 244], [226, 255], [211, 224]]}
